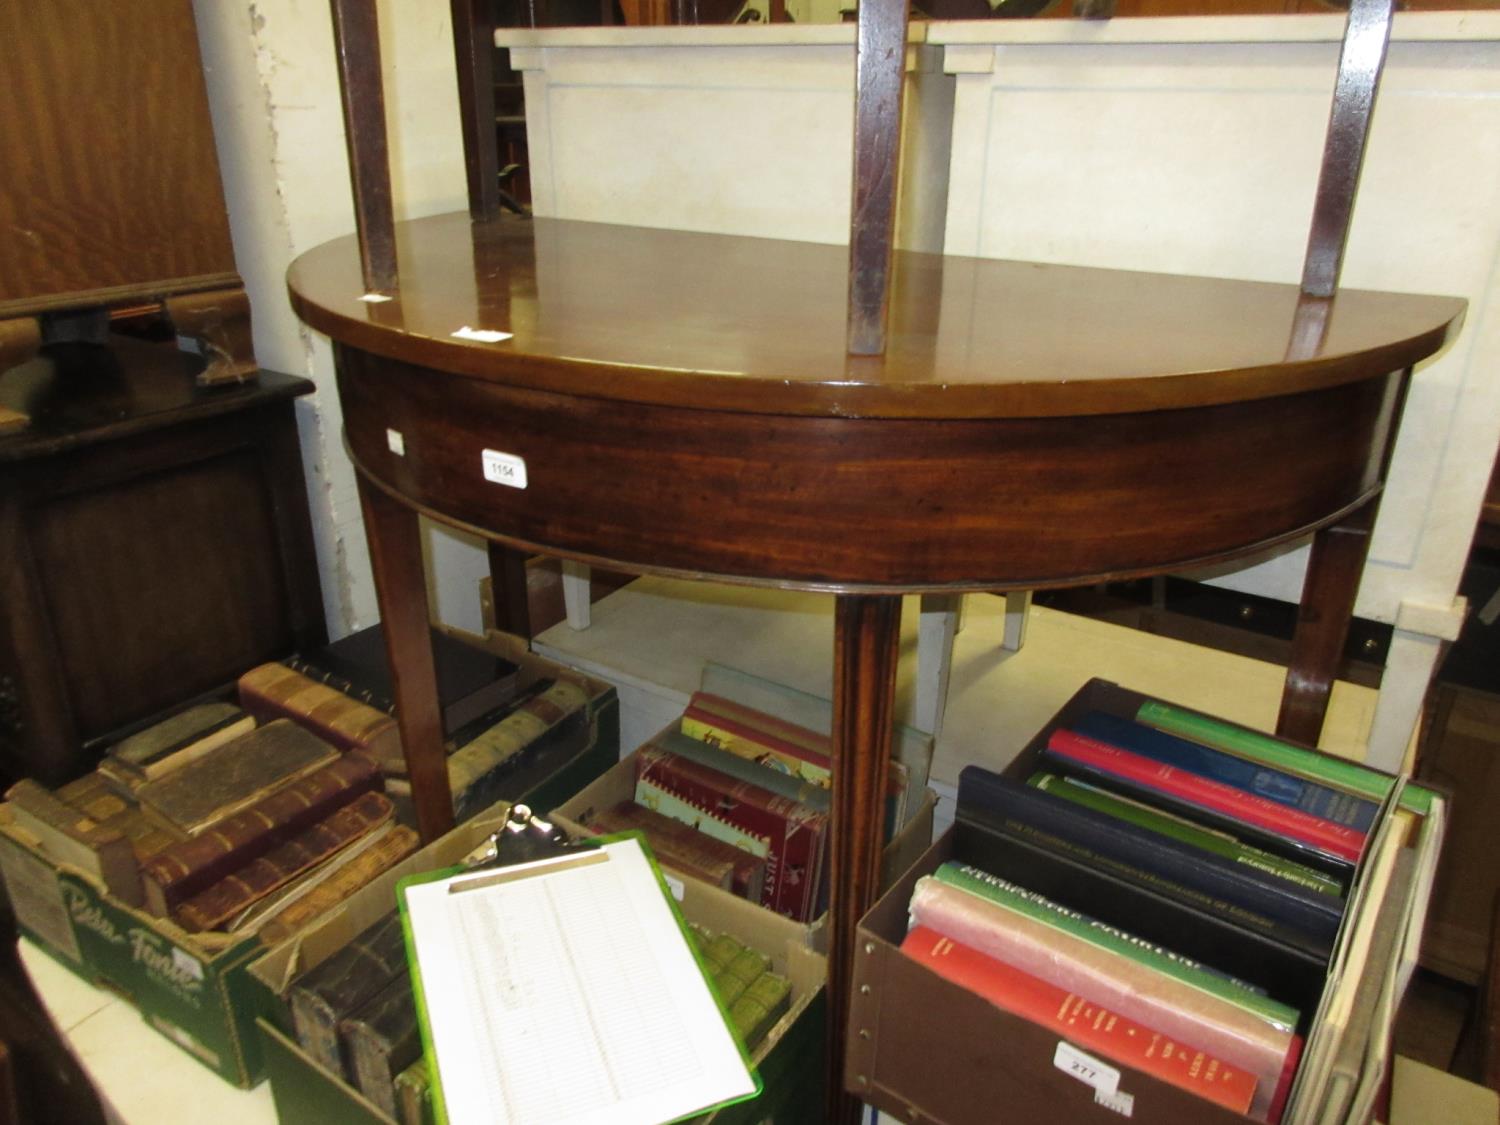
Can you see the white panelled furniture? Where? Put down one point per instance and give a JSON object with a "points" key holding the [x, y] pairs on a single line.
{"points": [[1188, 145]]}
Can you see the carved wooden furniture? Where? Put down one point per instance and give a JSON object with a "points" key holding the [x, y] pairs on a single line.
{"points": [[154, 544]]}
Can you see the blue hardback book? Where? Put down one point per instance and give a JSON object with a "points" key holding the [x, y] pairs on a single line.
{"points": [[1131, 854], [1252, 777]]}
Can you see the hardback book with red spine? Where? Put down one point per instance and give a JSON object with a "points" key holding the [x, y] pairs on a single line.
{"points": [[182, 870], [795, 833], [1091, 1026], [1143, 774], [222, 903]]}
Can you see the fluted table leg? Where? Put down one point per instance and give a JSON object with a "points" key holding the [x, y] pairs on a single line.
{"points": [[866, 639]]}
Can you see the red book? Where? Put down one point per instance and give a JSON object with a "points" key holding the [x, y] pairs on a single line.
{"points": [[794, 832], [1081, 1021], [1324, 835]]}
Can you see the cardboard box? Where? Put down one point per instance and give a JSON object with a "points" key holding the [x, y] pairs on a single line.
{"points": [[790, 1058], [193, 987], [926, 1050], [190, 987]]}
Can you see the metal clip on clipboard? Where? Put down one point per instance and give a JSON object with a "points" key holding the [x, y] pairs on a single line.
{"points": [[524, 837]]}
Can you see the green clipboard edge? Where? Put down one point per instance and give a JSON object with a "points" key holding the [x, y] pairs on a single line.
{"points": [[439, 1106]]}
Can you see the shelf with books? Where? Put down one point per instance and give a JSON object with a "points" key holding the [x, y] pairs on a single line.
{"points": [[1128, 943]]}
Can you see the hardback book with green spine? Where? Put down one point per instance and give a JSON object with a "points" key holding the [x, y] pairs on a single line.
{"points": [[1154, 820], [1184, 969], [1263, 748]]}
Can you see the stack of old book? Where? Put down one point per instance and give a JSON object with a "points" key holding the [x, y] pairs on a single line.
{"points": [[739, 798], [492, 724], [356, 1016], [219, 824], [1158, 889]]}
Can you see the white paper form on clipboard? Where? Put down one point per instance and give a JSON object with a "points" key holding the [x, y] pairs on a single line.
{"points": [[565, 991]]}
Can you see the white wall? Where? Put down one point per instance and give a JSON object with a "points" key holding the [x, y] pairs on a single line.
{"points": [[273, 91]]}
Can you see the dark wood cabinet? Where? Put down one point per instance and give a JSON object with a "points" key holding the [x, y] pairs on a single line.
{"points": [[154, 543]]}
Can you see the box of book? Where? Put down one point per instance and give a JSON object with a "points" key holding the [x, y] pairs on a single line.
{"points": [[612, 803], [162, 884], [517, 726], [736, 793], [1220, 935], [334, 1054]]}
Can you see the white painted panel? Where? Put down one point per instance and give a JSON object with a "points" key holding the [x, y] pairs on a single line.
{"points": [[1202, 157], [739, 133]]}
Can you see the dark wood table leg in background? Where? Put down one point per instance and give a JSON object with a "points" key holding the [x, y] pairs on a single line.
{"points": [[1328, 592], [508, 589], [401, 588], [866, 640]]}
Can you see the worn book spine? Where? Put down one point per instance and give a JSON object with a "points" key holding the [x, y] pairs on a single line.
{"points": [[69, 836], [1188, 832], [795, 832], [220, 903], [764, 1001], [673, 843], [1274, 785], [503, 744], [359, 872], [175, 741], [380, 1041], [276, 691], [1092, 1026], [337, 987], [1187, 1004], [414, 1095], [1163, 863], [148, 835], [773, 744], [1142, 775], [814, 742], [756, 745], [183, 870], [1349, 776]]}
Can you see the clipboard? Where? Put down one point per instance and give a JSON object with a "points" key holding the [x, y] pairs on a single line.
{"points": [[570, 1008]]}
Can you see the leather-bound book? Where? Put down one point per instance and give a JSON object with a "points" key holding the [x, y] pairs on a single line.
{"points": [[396, 844], [221, 903], [274, 691], [235, 775], [173, 743], [685, 849], [414, 1095], [181, 871], [476, 767], [69, 836], [148, 834], [381, 1040], [329, 992]]}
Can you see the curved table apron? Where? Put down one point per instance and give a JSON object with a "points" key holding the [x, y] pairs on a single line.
{"points": [[682, 405]]}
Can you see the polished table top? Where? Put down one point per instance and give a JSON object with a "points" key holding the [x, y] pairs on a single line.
{"points": [[750, 324], [683, 405]]}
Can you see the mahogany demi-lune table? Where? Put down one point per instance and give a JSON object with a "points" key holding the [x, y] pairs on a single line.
{"points": [[678, 403]]}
